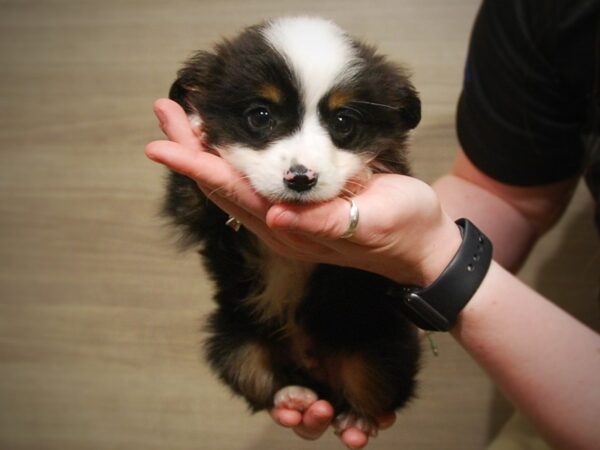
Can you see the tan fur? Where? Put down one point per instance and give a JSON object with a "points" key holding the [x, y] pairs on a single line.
{"points": [[271, 92], [282, 288], [338, 99], [249, 366], [364, 392]]}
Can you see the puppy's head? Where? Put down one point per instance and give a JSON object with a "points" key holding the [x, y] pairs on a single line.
{"points": [[300, 108]]}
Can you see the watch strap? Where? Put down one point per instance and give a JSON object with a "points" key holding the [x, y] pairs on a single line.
{"points": [[436, 307]]}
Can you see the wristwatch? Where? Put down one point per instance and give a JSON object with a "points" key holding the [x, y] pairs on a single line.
{"points": [[437, 306]]}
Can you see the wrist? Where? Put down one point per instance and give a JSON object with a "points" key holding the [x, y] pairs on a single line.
{"points": [[437, 305], [474, 311], [435, 253], [439, 250]]}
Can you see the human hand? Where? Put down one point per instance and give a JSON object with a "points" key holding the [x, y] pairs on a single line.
{"points": [[315, 420], [403, 232]]}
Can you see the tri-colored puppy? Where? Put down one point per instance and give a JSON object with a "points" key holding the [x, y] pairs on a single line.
{"points": [[306, 113]]}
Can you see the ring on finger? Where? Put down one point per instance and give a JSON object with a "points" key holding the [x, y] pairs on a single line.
{"points": [[233, 223], [354, 217]]}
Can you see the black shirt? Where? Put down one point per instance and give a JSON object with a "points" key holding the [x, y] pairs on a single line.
{"points": [[529, 112]]}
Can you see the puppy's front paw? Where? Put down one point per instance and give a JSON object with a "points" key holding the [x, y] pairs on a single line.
{"points": [[294, 397], [349, 419]]}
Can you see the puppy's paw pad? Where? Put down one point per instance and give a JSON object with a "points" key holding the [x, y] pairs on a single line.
{"points": [[294, 397], [348, 420]]}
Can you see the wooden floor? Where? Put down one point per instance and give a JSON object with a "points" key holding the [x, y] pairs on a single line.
{"points": [[99, 316]]}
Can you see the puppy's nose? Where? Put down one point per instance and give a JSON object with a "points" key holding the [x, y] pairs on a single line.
{"points": [[299, 178]]}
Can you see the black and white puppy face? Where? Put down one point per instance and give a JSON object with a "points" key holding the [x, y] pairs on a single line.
{"points": [[300, 108]]}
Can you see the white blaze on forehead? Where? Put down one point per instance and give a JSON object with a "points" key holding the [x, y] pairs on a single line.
{"points": [[319, 52]]}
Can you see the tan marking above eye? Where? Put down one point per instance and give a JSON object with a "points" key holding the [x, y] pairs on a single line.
{"points": [[271, 92], [338, 99]]}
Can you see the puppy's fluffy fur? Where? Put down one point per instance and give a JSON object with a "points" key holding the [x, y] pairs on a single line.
{"points": [[306, 113]]}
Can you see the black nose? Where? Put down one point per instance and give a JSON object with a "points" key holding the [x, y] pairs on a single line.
{"points": [[299, 178]]}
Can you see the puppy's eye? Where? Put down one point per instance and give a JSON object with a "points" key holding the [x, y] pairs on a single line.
{"points": [[343, 123], [259, 119]]}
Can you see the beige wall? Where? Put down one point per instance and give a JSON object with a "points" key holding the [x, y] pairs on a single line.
{"points": [[99, 316]]}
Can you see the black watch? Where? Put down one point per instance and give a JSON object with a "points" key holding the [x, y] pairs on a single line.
{"points": [[436, 306]]}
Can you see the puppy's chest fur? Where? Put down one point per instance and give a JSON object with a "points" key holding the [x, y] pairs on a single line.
{"points": [[281, 286], [275, 301]]}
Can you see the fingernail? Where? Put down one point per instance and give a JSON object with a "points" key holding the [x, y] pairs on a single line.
{"points": [[162, 119]]}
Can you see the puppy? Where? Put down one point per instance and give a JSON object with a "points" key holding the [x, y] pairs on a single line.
{"points": [[306, 113]]}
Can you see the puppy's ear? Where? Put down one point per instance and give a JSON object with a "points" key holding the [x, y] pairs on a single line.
{"points": [[410, 109], [178, 93], [192, 81]]}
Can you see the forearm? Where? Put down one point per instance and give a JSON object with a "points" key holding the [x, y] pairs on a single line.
{"points": [[544, 360], [511, 233], [513, 217]]}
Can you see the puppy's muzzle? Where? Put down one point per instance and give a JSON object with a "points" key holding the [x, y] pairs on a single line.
{"points": [[299, 178]]}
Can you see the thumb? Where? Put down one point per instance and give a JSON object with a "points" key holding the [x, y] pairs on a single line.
{"points": [[328, 220]]}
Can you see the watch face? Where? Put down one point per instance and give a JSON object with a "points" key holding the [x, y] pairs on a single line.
{"points": [[431, 318]]}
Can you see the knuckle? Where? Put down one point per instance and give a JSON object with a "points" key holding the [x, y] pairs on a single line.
{"points": [[330, 227]]}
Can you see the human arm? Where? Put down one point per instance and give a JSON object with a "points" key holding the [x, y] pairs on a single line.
{"points": [[545, 361], [410, 238], [550, 361], [512, 217]]}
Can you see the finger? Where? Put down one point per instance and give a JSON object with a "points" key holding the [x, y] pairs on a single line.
{"points": [[212, 173], [251, 216], [175, 124], [284, 244], [209, 170], [315, 421], [354, 438], [286, 417], [328, 220]]}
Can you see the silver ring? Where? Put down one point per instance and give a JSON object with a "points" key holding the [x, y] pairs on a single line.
{"points": [[234, 223], [354, 216]]}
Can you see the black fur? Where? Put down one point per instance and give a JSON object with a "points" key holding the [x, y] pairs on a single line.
{"points": [[211, 83], [345, 315]]}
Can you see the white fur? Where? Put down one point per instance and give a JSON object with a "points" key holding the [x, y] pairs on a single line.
{"points": [[195, 122], [311, 147], [317, 50], [298, 398]]}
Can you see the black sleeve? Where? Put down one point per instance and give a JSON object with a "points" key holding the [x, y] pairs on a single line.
{"points": [[519, 117]]}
